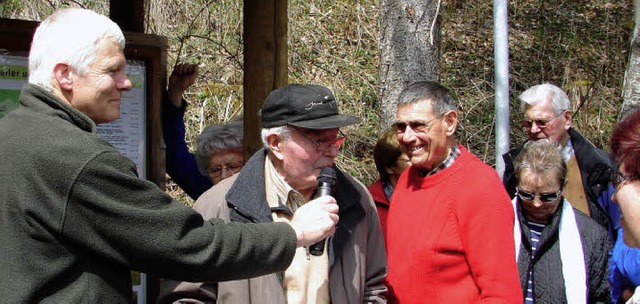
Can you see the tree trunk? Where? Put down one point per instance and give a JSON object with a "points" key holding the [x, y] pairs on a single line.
{"points": [[631, 90], [409, 49]]}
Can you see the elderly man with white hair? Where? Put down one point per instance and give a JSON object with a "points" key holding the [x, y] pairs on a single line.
{"points": [[75, 219], [547, 114]]}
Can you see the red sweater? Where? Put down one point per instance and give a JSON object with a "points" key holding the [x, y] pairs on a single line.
{"points": [[382, 205], [450, 237]]}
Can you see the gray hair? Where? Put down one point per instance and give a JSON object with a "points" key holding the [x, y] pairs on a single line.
{"points": [[282, 131], [69, 36], [215, 138], [439, 96], [542, 158], [545, 91]]}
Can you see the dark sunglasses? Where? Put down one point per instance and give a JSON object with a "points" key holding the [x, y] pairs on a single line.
{"points": [[544, 197]]}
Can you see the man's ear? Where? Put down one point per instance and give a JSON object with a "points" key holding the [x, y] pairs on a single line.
{"points": [[451, 122], [62, 73], [568, 115], [275, 145]]}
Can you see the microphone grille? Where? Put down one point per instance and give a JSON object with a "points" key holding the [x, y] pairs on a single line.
{"points": [[327, 175]]}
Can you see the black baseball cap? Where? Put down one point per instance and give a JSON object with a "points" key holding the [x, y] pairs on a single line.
{"points": [[306, 106]]}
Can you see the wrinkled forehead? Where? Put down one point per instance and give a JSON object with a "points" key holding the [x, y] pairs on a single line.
{"points": [[420, 110]]}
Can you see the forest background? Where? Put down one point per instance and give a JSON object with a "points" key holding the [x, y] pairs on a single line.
{"points": [[582, 46]]}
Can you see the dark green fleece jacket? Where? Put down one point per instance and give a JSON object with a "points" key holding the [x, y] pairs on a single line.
{"points": [[75, 218]]}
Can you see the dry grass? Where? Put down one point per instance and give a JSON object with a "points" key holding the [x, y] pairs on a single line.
{"points": [[581, 47]]}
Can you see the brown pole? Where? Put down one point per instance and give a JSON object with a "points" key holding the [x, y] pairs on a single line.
{"points": [[128, 14], [265, 62]]}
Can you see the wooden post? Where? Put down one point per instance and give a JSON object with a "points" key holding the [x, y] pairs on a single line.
{"points": [[128, 14], [265, 62]]}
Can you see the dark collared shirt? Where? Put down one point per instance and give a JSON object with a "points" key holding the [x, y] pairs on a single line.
{"points": [[453, 155]]}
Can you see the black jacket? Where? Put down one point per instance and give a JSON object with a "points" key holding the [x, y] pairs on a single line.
{"points": [[549, 283]]}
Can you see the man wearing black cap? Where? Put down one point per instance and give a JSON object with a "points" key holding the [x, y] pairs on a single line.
{"points": [[301, 135]]}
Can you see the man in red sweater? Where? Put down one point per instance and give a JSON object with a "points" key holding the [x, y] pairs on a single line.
{"points": [[450, 225]]}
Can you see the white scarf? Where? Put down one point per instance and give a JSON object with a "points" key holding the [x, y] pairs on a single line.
{"points": [[571, 254]]}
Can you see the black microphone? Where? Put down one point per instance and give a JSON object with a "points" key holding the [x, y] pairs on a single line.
{"points": [[326, 182]]}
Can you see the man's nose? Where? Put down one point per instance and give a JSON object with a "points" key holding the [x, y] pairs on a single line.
{"points": [[409, 134], [534, 127], [332, 152], [124, 83]]}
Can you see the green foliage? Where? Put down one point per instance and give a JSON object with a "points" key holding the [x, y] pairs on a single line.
{"points": [[582, 46], [8, 6]]}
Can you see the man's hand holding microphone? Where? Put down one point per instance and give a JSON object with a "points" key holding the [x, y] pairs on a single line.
{"points": [[317, 219]]}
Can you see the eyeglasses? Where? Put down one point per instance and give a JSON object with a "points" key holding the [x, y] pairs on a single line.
{"points": [[326, 144], [544, 197], [217, 171], [416, 126], [620, 178], [541, 123]]}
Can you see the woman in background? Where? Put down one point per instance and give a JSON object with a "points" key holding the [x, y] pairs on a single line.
{"points": [[562, 254], [390, 163]]}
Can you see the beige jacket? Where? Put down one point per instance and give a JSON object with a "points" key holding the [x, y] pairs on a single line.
{"points": [[357, 255]]}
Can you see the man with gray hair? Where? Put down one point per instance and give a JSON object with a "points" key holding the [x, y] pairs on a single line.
{"points": [[547, 114], [75, 219], [449, 230], [301, 136]]}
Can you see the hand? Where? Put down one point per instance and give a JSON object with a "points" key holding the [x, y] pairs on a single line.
{"points": [[315, 220], [182, 77]]}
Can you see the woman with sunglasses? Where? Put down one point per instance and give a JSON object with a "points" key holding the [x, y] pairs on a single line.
{"points": [[562, 254]]}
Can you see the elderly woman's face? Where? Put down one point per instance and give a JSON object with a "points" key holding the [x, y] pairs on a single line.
{"points": [[224, 163], [627, 195], [539, 196]]}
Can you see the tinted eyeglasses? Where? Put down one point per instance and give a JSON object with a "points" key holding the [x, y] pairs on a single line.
{"points": [[326, 144], [541, 123], [416, 126], [544, 197], [620, 178]]}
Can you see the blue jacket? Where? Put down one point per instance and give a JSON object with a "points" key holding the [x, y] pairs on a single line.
{"points": [[180, 163], [624, 272]]}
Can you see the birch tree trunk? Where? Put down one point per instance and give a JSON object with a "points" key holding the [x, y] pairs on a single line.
{"points": [[631, 90], [409, 49]]}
